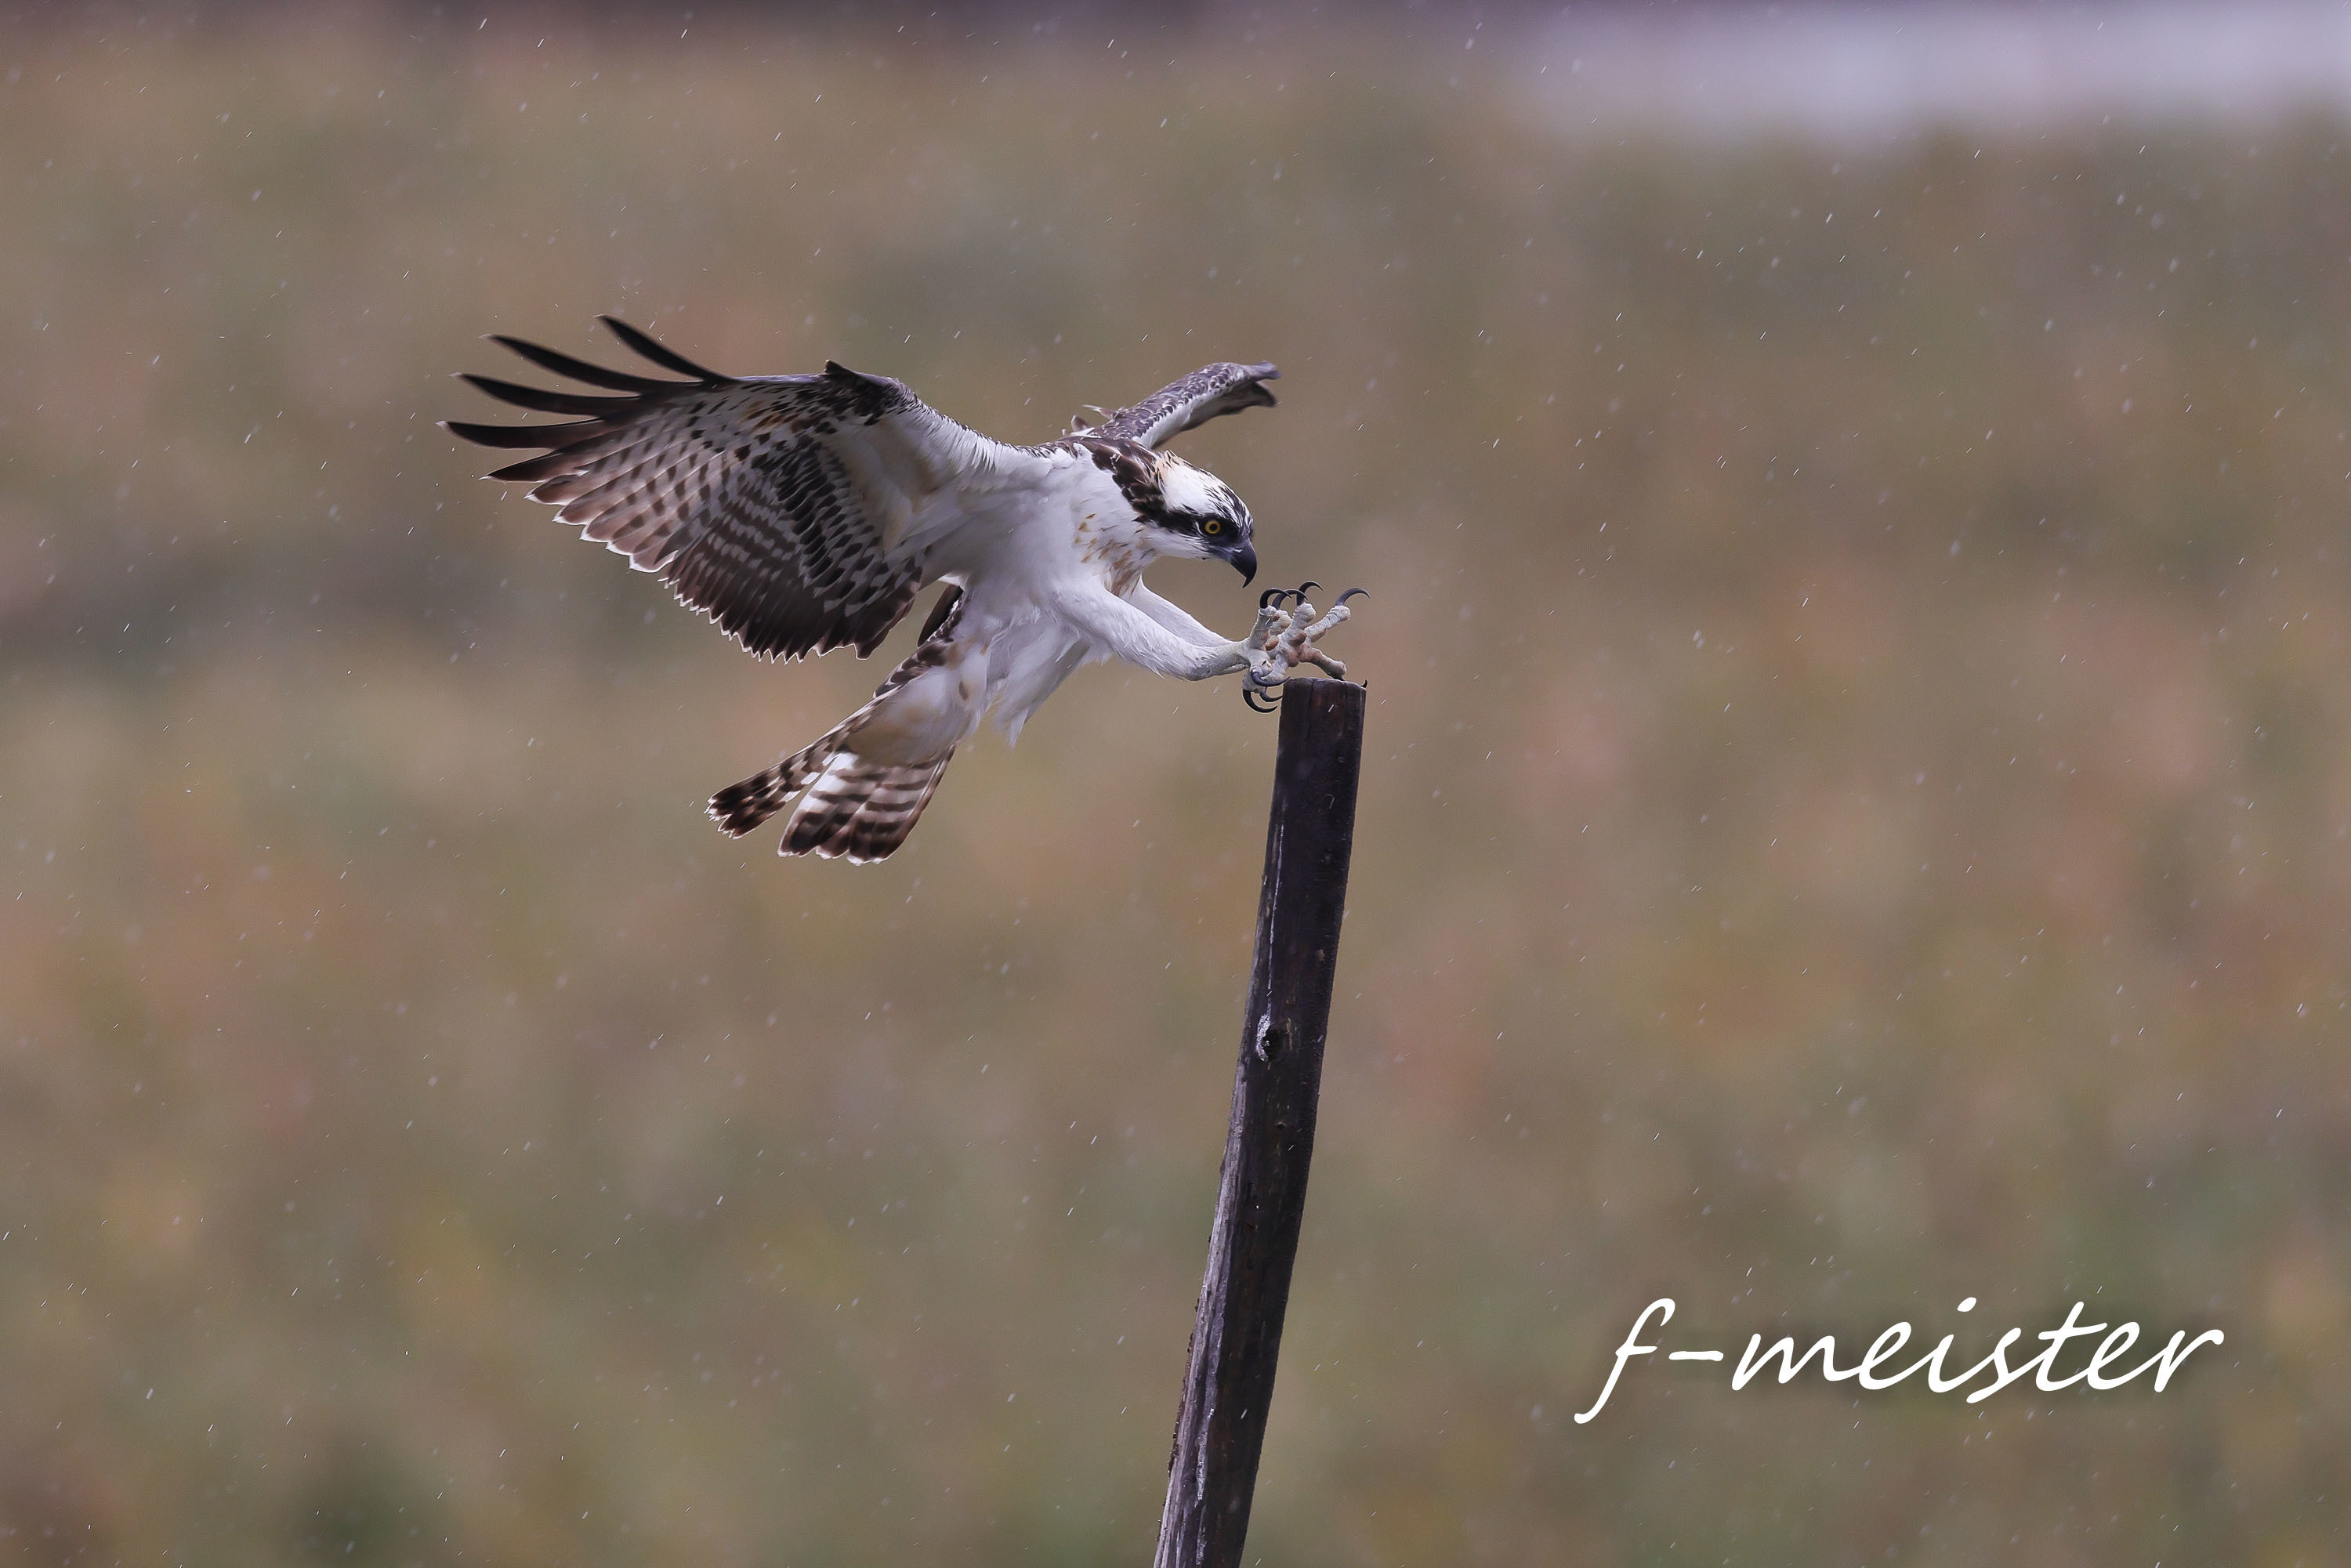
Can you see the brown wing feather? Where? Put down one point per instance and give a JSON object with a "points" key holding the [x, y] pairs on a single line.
{"points": [[1212, 390], [735, 490]]}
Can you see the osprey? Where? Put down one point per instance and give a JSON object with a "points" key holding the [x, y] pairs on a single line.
{"points": [[805, 513]]}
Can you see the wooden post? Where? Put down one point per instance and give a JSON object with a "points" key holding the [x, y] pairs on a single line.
{"points": [[1262, 1195]]}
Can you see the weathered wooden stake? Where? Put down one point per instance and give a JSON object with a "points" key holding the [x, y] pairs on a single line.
{"points": [[1261, 1196]]}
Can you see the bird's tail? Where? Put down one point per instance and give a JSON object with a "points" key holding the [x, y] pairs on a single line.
{"points": [[848, 806]]}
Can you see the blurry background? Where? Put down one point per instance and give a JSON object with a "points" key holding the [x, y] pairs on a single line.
{"points": [[1856, 816]]}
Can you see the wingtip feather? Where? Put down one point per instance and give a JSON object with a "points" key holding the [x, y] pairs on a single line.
{"points": [[578, 369], [547, 435], [667, 358]]}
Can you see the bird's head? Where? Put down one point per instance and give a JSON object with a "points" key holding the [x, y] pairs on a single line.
{"points": [[1201, 518]]}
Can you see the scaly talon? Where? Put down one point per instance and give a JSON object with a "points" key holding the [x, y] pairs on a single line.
{"points": [[1266, 667], [1338, 613], [1283, 639], [1300, 633]]}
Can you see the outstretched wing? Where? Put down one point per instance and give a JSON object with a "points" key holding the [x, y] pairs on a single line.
{"points": [[1199, 397], [795, 511]]}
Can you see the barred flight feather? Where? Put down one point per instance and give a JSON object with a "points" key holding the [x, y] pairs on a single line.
{"points": [[734, 490], [1212, 390]]}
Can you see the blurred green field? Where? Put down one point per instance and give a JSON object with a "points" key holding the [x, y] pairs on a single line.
{"points": [[1857, 815]]}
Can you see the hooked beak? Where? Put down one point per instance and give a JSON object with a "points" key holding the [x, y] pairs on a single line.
{"points": [[1244, 561]]}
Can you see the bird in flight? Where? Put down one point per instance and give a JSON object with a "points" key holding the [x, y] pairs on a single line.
{"points": [[806, 512]]}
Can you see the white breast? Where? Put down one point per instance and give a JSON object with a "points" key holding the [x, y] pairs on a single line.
{"points": [[1013, 551]]}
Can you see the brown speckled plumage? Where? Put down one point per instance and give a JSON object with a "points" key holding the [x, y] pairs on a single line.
{"points": [[727, 487], [1212, 390]]}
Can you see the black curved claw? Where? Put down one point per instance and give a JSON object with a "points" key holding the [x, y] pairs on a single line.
{"points": [[1265, 600], [1250, 694], [1350, 593], [1306, 588]]}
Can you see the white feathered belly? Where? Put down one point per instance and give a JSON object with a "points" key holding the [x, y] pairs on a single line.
{"points": [[1012, 651], [1025, 663], [930, 716]]}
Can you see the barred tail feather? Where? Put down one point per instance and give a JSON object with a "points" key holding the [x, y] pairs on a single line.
{"points": [[848, 807], [860, 810], [741, 807]]}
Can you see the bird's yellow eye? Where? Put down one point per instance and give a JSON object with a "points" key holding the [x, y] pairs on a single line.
{"points": [[1212, 526]]}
